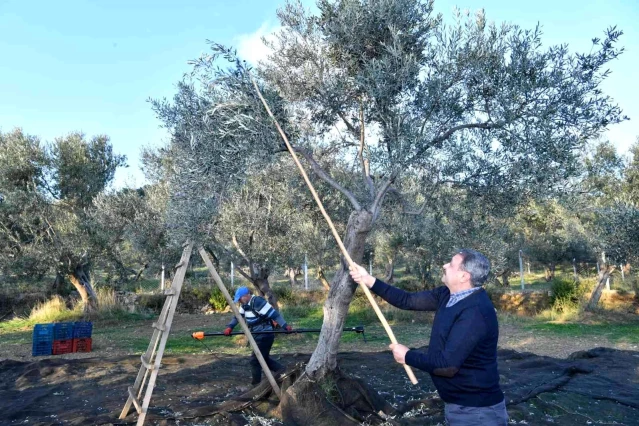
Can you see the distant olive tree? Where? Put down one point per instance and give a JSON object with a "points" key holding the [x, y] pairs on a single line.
{"points": [[618, 232], [49, 190]]}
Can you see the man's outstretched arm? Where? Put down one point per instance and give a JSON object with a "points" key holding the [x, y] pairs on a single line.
{"points": [[420, 301]]}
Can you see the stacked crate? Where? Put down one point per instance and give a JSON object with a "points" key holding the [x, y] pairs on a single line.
{"points": [[82, 336], [42, 339], [62, 338]]}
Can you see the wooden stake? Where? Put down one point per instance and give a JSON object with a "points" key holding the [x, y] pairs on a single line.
{"points": [[240, 320], [367, 292]]}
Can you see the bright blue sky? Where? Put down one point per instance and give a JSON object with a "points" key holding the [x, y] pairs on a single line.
{"points": [[91, 66]]}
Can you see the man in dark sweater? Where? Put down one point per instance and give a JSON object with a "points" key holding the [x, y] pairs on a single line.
{"points": [[462, 353]]}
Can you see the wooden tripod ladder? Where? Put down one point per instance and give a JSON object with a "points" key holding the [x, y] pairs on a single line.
{"points": [[152, 359]]}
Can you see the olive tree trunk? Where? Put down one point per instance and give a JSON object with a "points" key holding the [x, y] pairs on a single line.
{"points": [[82, 283], [57, 284], [549, 272], [140, 272], [635, 300], [596, 295], [505, 277], [424, 274], [322, 278], [390, 270], [259, 278], [324, 358], [292, 274]]}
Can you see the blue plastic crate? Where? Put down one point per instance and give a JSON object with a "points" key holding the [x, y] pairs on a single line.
{"points": [[43, 331], [63, 331], [42, 339], [82, 329], [44, 347]]}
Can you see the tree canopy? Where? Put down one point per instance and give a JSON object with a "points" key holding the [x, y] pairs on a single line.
{"points": [[405, 107]]}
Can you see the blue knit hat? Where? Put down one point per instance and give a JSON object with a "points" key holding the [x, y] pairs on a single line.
{"points": [[242, 291]]}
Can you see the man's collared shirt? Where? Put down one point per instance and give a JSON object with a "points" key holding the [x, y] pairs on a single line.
{"points": [[456, 297]]}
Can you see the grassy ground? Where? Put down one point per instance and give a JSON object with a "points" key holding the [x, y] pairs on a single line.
{"points": [[613, 332], [117, 331]]}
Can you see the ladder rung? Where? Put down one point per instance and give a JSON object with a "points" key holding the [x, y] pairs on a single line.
{"points": [[146, 363], [169, 292], [178, 265], [138, 408], [158, 326]]}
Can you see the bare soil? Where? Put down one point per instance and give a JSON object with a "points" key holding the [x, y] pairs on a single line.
{"points": [[543, 384]]}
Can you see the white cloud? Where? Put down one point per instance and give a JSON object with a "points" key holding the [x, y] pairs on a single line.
{"points": [[250, 46]]}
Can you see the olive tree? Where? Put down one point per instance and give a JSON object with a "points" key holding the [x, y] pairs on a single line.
{"points": [[386, 88], [49, 192], [554, 232], [618, 234], [130, 225], [479, 107], [262, 225], [631, 174]]}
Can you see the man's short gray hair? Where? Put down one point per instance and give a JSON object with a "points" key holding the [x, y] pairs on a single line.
{"points": [[476, 264]]}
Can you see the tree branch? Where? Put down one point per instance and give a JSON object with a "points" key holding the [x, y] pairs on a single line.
{"points": [[403, 202], [349, 126], [448, 133], [9, 234], [239, 249], [377, 204], [340, 114], [417, 212], [452, 82], [244, 274], [235, 265], [365, 165], [319, 171]]}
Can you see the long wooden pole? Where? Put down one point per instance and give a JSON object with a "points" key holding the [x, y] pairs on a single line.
{"points": [[240, 320], [347, 256]]}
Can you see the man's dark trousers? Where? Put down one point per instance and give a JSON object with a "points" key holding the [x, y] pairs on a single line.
{"points": [[264, 342]]}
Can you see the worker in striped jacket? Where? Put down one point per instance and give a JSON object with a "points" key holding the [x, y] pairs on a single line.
{"points": [[259, 316]]}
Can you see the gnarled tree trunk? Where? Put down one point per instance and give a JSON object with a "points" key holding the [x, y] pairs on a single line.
{"points": [[324, 358], [549, 272], [424, 272], [322, 278], [82, 283], [259, 278], [291, 274], [57, 283], [635, 300], [260, 281], [140, 272], [505, 276], [390, 270], [596, 295]]}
